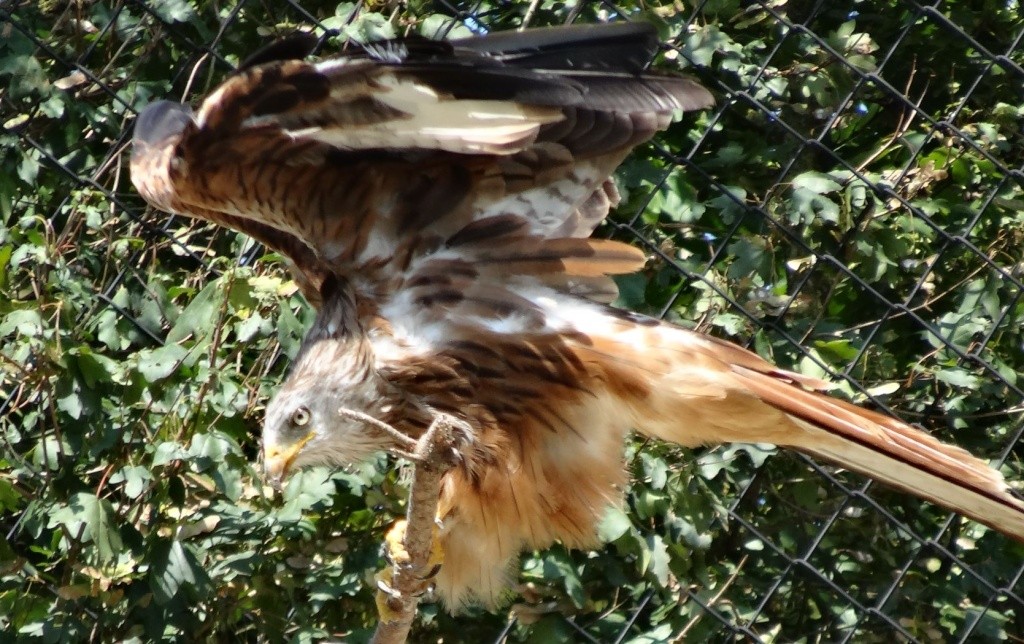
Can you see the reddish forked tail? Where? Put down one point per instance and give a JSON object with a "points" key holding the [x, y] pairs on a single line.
{"points": [[897, 454], [706, 391]]}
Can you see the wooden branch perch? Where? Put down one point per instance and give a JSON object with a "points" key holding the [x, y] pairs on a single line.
{"points": [[435, 453]]}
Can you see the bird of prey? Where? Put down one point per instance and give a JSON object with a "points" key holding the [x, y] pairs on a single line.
{"points": [[437, 200]]}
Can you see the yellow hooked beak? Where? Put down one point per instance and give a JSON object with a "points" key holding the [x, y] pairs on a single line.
{"points": [[277, 459]]}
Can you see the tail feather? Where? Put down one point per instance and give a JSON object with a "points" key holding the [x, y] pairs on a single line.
{"points": [[894, 453], [702, 390], [989, 503]]}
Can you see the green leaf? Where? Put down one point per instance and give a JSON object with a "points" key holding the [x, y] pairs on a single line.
{"points": [[290, 331], [135, 479], [690, 535], [172, 567], [95, 368], [731, 204], [841, 349], [26, 322], [157, 364], [559, 565], [655, 469], [47, 453], [250, 326], [6, 250], [93, 520], [811, 205], [751, 258], [712, 464], [679, 200], [210, 448], [368, 27], [200, 315], [10, 499], [438, 24], [660, 559], [168, 451], [991, 623], [958, 378], [172, 10], [613, 525], [551, 628], [209, 453], [663, 634], [309, 487], [109, 332], [632, 290]]}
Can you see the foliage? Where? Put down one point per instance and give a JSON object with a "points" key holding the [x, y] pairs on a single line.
{"points": [[852, 207]]}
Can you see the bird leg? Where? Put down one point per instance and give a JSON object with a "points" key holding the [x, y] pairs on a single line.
{"points": [[396, 554], [388, 598], [412, 546]]}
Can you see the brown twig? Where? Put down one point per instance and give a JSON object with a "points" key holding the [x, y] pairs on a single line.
{"points": [[435, 453], [404, 442], [530, 11]]}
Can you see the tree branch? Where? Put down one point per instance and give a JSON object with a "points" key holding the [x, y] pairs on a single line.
{"points": [[435, 453]]}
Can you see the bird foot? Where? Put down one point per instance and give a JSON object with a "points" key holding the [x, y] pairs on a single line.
{"points": [[389, 600]]}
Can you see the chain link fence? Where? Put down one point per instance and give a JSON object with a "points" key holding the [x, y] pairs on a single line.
{"points": [[850, 208]]}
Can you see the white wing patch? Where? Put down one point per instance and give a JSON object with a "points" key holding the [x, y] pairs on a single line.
{"points": [[434, 121]]}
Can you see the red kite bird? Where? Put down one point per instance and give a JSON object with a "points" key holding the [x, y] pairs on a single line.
{"points": [[436, 200]]}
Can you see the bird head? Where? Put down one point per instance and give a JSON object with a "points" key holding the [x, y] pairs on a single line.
{"points": [[334, 371], [304, 425]]}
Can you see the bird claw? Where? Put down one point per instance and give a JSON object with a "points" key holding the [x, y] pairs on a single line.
{"points": [[396, 555], [455, 434], [389, 600], [394, 548], [431, 574], [406, 579], [391, 593], [462, 435]]}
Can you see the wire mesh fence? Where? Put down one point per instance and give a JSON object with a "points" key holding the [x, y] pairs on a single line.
{"points": [[850, 208]]}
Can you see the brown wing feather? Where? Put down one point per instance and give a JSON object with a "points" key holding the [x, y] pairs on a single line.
{"points": [[351, 157]]}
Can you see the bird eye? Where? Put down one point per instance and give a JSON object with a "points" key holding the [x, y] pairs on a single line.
{"points": [[300, 417]]}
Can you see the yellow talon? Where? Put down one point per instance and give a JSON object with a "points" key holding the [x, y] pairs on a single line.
{"points": [[396, 552], [436, 558], [388, 599]]}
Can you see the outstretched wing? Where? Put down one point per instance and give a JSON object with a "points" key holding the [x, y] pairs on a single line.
{"points": [[359, 164]]}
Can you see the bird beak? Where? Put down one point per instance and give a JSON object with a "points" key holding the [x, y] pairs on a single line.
{"points": [[277, 460]]}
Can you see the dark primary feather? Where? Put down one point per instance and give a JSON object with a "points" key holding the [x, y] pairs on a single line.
{"points": [[626, 47], [463, 80], [400, 50], [591, 65], [618, 47], [597, 66], [293, 47]]}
